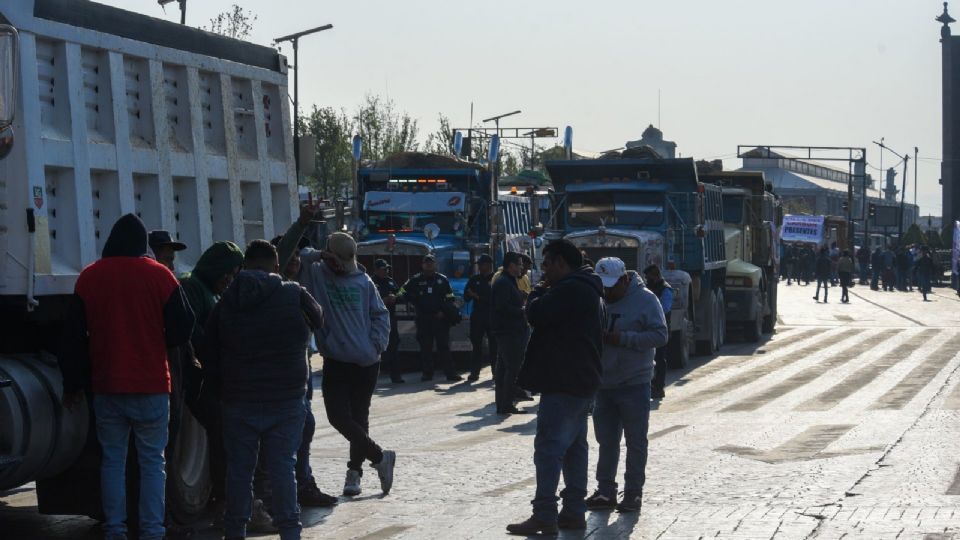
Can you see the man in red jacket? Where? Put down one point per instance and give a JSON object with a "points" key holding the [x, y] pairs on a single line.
{"points": [[126, 311]]}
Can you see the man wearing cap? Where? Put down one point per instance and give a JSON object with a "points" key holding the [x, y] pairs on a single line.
{"points": [[479, 290], [428, 291], [356, 331], [635, 327], [164, 248], [388, 289]]}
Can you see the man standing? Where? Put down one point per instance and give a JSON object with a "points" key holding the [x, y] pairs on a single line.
{"points": [[563, 364], [635, 327], [388, 289], [822, 273], [356, 332], [428, 291], [863, 262], [876, 267], [845, 272], [126, 311], [664, 293], [924, 272], [511, 331], [479, 290], [164, 248]]}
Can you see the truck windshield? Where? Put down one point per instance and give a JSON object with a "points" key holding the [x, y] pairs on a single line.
{"points": [[397, 222], [732, 209], [615, 208]]}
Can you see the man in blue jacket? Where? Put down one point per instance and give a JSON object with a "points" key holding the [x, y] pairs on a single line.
{"points": [[563, 364], [635, 327]]}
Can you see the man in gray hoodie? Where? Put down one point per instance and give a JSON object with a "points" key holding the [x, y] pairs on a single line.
{"points": [[635, 327], [355, 333]]}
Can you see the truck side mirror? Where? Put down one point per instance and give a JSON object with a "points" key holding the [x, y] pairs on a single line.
{"points": [[9, 80]]}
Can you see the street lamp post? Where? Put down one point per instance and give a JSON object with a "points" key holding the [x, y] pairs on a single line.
{"points": [[906, 159], [294, 39]]}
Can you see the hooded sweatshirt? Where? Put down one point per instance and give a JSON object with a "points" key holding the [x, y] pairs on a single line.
{"points": [[253, 349], [639, 319], [563, 355], [357, 324], [126, 310], [219, 259]]}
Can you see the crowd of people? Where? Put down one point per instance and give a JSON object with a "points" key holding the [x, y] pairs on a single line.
{"points": [[230, 342], [892, 268]]}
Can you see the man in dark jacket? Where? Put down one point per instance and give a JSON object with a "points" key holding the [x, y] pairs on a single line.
{"points": [[511, 331], [388, 290], [126, 311], [254, 351], [479, 289], [428, 291], [822, 272], [876, 267], [563, 364]]}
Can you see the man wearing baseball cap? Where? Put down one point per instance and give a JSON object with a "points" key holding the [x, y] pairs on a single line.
{"points": [[635, 327], [164, 247]]}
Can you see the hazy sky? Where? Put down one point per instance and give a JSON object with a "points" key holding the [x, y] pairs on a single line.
{"points": [[811, 72]]}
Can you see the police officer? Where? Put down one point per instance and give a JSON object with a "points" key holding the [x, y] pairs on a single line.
{"points": [[428, 291], [479, 290], [657, 285], [388, 292]]}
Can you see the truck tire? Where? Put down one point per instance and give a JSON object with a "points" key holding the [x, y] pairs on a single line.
{"points": [[188, 470], [770, 320], [707, 346], [755, 328], [721, 320]]}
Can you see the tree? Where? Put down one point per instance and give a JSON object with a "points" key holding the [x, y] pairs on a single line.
{"points": [[914, 236], [796, 205], [384, 131], [934, 240], [333, 130], [441, 140], [510, 165], [236, 23]]}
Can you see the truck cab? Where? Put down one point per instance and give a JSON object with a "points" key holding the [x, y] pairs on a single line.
{"points": [[750, 211], [647, 210]]}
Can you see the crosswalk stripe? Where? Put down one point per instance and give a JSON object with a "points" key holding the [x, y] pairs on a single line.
{"points": [[719, 364], [806, 376], [919, 377], [752, 374], [829, 398]]}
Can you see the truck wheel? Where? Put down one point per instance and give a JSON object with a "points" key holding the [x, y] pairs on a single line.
{"points": [[707, 346], [188, 470], [755, 328], [770, 321], [678, 349], [721, 320]]}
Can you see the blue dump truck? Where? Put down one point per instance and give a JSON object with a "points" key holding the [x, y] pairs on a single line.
{"points": [[646, 210], [412, 204]]}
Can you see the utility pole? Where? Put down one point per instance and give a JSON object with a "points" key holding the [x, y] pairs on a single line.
{"points": [[916, 151], [903, 195], [294, 39]]}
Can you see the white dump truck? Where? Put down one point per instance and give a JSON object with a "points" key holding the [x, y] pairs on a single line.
{"points": [[105, 112]]}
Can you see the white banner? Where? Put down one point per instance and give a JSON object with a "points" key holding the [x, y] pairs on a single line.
{"points": [[802, 229]]}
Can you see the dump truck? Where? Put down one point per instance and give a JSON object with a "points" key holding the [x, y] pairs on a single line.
{"points": [[647, 210], [112, 112], [751, 215]]}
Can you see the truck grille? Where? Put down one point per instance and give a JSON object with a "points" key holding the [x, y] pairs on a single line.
{"points": [[627, 255]]}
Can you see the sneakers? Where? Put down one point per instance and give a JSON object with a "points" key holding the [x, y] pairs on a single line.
{"points": [[351, 486], [631, 503], [533, 527], [385, 470], [599, 501], [260, 519], [310, 495]]}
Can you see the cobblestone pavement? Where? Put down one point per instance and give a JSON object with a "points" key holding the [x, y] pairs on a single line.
{"points": [[843, 424]]}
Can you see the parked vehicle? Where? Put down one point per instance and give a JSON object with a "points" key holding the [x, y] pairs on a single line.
{"points": [[115, 112], [646, 210], [751, 216]]}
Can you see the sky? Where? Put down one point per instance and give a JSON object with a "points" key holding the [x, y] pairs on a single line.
{"points": [[728, 72]]}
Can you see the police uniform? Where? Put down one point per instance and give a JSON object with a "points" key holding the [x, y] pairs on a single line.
{"points": [[387, 286], [480, 321], [428, 294]]}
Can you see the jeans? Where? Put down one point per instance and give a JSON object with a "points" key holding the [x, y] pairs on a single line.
{"points": [[347, 389], [618, 412], [845, 281], [511, 348], [430, 330], [303, 469], [148, 416], [277, 426], [561, 446], [480, 327], [660, 370], [826, 288]]}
